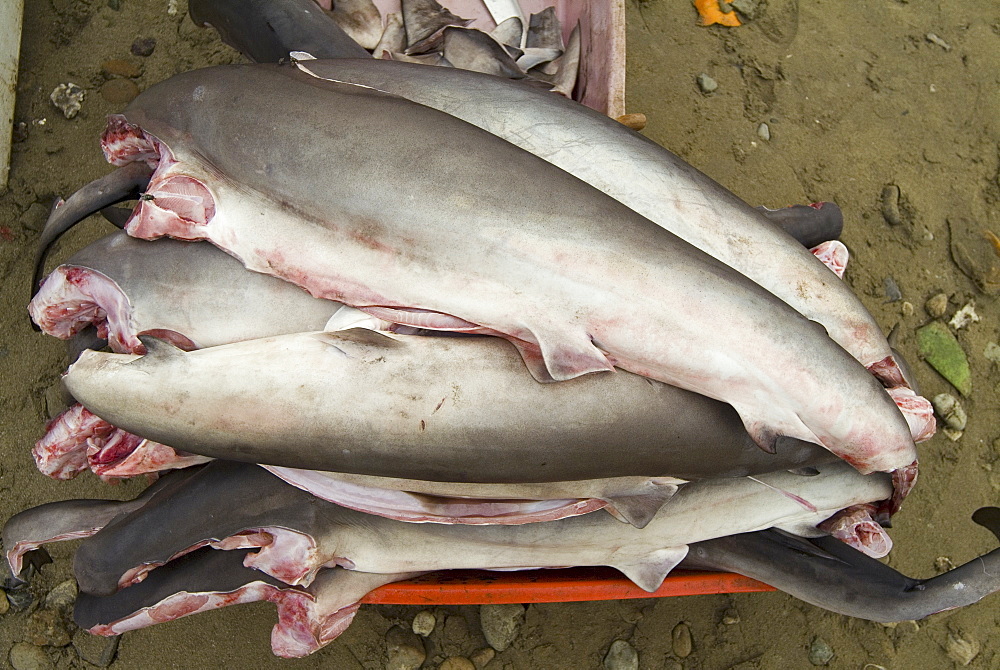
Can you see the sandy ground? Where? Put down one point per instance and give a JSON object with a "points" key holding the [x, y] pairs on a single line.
{"points": [[856, 97]]}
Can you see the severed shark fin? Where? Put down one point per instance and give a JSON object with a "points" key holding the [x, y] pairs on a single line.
{"points": [[471, 49], [424, 21], [544, 31], [360, 19], [508, 32], [532, 57], [393, 37], [562, 72]]}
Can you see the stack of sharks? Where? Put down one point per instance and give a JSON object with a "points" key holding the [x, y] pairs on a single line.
{"points": [[417, 319]]}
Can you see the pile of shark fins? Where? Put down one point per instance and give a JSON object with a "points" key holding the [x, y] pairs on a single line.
{"points": [[508, 354], [534, 48]]}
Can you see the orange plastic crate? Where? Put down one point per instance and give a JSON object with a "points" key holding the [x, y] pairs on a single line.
{"points": [[479, 587], [602, 87]]}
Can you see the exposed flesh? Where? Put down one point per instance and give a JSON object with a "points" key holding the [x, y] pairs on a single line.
{"points": [[195, 295], [192, 294], [77, 440], [308, 619], [819, 571], [308, 533], [123, 184], [632, 499], [70, 446]]}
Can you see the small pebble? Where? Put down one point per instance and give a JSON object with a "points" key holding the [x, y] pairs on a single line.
{"points": [[119, 91], [4, 603], [47, 628], [907, 627], [34, 217], [820, 652], [483, 656], [873, 666], [952, 434], [454, 627], [121, 68], [763, 132], [950, 410], [423, 623], [143, 46], [20, 599], [943, 564], [501, 624], [892, 292], [906, 308], [404, 649], [961, 649], [706, 83], [680, 640], [937, 305], [731, 616], [96, 649], [621, 656], [891, 195], [115, 4], [747, 8], [457, 663], [964, 317], [68, 98], [934, 39], [62, 596], [992, 352], [24, 656]]}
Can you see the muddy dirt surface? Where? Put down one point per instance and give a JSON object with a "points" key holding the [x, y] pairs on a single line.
{"points": [[859, 98]]}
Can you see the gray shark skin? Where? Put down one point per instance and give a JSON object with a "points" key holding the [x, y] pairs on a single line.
{"points": [[829, 574], [416, 407], [125, 183], [641, 174], [448, 255], [265, 31], [192, 293], [309, 533]]}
